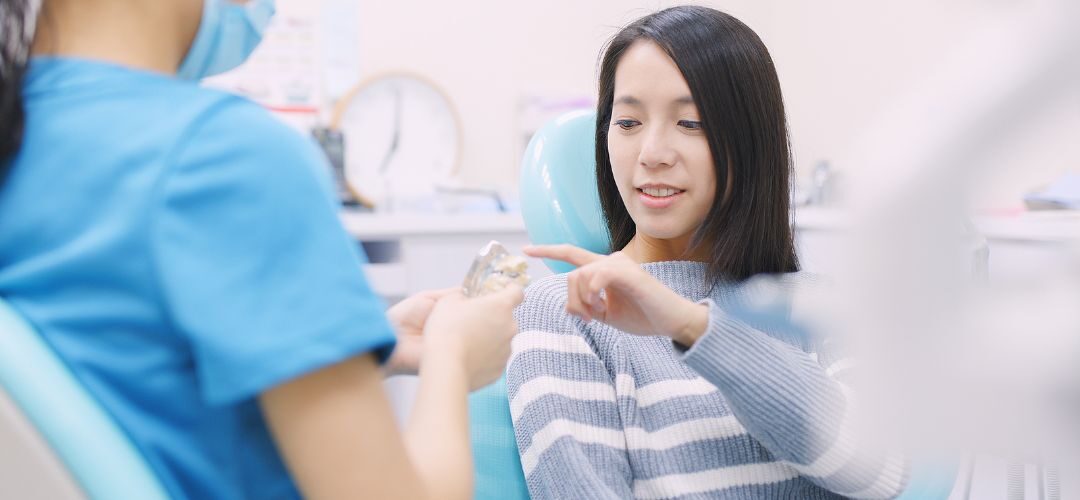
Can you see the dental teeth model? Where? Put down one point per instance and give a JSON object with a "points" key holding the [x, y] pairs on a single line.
{"points": [[493, 269]]}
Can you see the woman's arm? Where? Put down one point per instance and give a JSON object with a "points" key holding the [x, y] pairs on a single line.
{"points": [[564, 406], [788, 401], [337, 433], [437, 434], [338, 436], [782, 395]]}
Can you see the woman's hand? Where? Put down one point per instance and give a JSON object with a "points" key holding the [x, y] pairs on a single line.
{"points": [[615, 290], [408, 318], [473, 333]]}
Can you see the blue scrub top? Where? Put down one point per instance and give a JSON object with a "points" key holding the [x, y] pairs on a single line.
{"points": [[180, 249]]}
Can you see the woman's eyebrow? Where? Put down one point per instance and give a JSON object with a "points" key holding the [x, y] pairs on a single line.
{"points": [[630, 100]]}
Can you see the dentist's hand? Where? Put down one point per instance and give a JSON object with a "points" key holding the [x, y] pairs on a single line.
{"points": [[474, 332], [408, 318], [615, 290]]}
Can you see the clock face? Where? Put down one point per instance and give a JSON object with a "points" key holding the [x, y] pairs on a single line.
{"points": [[401, 137]]}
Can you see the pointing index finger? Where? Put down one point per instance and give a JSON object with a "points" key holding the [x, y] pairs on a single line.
{"points": [[566, 253]]}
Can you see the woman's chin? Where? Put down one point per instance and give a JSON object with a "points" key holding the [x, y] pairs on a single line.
{"points": [[658, 230]]}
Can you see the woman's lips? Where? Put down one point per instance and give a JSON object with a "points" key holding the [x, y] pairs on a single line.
{"points": [[658, 202]]}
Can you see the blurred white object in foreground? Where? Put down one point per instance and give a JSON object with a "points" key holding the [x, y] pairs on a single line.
{"points": [[953, 363]]}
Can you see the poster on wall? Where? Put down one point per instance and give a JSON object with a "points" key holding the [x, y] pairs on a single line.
{"points": [[308, 59]]}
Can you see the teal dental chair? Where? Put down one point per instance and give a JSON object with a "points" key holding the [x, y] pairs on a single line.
{"points": [[560, 204], [58, 442]]}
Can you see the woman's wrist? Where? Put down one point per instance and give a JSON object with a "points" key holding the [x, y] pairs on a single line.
{"points": [[446, 351], [446, 368], [695, 325]]}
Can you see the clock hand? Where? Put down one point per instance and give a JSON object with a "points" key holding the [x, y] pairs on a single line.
{"points": [[396, 138]]}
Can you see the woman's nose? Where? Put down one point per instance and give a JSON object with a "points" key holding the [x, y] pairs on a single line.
{"points": [[656, 149]]}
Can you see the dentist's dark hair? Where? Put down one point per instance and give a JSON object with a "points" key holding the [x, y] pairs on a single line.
{"points": [[737, 93], [16, 28]]}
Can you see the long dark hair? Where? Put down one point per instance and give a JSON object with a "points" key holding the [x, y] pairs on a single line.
{"points": [[735, 88], [16, 31]]}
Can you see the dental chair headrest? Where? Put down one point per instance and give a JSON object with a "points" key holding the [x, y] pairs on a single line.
{"points": [[559, 201]]}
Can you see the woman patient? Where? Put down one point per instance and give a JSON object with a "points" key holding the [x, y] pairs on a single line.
{"points": [[629, 379]]}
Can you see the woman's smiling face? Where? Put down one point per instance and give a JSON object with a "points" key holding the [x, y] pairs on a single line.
{"points": [[660, 157]]}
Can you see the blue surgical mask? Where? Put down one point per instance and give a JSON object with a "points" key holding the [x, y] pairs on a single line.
{"points": [[228, 34]]}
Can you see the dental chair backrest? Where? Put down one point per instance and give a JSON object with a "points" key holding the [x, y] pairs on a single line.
{"points": [[560, 205], [56, 441]]}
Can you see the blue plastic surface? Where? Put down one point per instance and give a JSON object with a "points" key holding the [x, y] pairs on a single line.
{"points": [[559, 201], [96, 452], [498, 465], [930, 480]]}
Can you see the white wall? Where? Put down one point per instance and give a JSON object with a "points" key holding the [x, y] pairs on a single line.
{"points": [[840, 62], [488, 54]]}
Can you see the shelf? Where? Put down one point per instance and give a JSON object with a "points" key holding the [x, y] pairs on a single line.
{"points": [[371, 227]]}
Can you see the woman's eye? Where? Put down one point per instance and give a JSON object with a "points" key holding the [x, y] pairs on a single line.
{"points": [[626, 124], [690, 124]]}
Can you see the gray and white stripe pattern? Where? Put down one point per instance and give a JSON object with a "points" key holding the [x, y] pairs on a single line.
{"points": [[745, 413]]}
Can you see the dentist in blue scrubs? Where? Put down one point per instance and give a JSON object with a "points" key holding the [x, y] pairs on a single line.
{"points": [[180, 250]]}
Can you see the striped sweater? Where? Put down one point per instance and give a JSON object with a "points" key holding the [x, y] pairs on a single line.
{"points": [[744, 413]]}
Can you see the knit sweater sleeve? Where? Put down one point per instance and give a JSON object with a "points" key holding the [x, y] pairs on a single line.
{"points": [[563, 404], [794, 403]]}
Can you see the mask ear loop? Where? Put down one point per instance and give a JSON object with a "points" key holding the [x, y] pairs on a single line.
{"points": [[202, 43], [260, 12]]}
